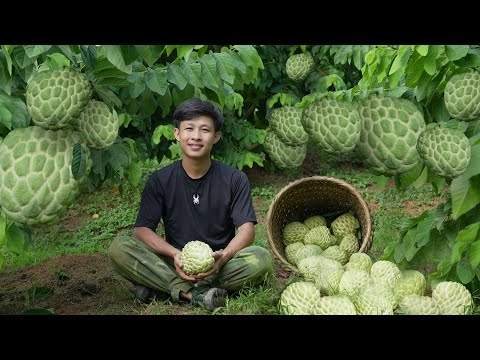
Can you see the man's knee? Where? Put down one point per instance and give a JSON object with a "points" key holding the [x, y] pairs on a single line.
{"points": [[117, 251], [261, 259]]}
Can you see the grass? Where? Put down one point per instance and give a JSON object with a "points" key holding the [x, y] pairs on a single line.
{"points": [[92, 222]]}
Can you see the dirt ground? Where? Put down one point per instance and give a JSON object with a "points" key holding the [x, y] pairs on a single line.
{"points": [[85, 284]]}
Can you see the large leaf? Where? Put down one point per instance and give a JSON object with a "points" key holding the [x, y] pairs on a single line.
{"points": [[79, 161], [16, 239], [422, 49], [129, 53], [474, 254], [409, 247], [17, 109], [115, 56], [455, 52], [225, 67], [176, 77], [192, 72], [3, 229], [465, 272], [463, 239], [474, 166], [209, 72], [89, 55], [249, 55], [33, 51], [156, 80], [118, 157], [430, 64], [465, 194], [108, 96], [138, 81], [149, 53]]}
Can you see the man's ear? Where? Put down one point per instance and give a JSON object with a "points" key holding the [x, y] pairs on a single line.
{"points": [[175, 132], [217, 136]]}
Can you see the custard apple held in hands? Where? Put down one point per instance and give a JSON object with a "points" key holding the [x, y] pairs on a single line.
{"points": [[197, 257]]}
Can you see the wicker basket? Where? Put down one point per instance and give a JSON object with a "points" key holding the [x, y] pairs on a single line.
{"points": [[316, 195]]}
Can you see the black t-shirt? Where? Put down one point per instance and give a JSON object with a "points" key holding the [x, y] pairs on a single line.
{"points": [[206, 209]]}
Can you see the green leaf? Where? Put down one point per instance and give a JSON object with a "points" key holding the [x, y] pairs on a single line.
{"points": [[414, 71], [422, 179], [156, 80], [8, 59], [20, 58], [104, 68], [114, 55], [398, 253], [176, 77], [89, 55], [430, 64], [79, 162], [163, 130], [148, 104], [475, 254], [465, 272], [225, 67], [108, 96], [129, 53], [19, 117], [149, 53], [134, 172], [58, 61], [118, 157], [33, 51], [138, 81], [3, 229], [209, 72], [16, 239], [471, 60], [409, 243], [411, 176], [192, 72], [249, 55], [455, 52], [399, 62], [465, 194], [474, 166], [422, 49]]}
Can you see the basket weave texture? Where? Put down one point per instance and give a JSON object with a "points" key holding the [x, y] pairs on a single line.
{"points": [[315, 195]]}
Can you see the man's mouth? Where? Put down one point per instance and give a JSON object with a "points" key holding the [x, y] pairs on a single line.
{"points": [[195, 146]]}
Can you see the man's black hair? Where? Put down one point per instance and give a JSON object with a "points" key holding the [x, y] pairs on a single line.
{"points": [[195, 107]]}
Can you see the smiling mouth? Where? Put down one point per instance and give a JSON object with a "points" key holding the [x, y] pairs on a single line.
{"points": [[195, 146]]}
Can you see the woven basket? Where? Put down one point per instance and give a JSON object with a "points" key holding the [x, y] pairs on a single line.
{"points": [[316, 195]]}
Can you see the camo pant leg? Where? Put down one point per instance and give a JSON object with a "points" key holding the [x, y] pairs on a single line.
{"points": [[247, 267], [135, 261]]}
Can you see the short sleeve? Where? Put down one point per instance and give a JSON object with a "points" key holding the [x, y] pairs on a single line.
{"points": [[242, 206], [151, 205]]}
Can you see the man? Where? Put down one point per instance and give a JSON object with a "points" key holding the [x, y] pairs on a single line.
{"points": [[198, 199]]}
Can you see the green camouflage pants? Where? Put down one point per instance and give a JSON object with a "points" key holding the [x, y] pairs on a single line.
{"points": [[135, 261]]}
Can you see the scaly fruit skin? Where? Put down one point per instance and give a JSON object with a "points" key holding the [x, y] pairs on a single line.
{"points": [[36, 180], [294, 232], [299, 298], [298, 66], [284, 156], [334, 125], [98, 125], [446, 151], [417, 305], [197, 257], [452, 298], [334, 305], [462, 96], [315, 221], [388, 136], [286, 122], [56, 97]]}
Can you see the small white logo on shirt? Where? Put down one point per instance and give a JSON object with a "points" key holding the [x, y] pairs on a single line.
{"points": [[196, 200]]}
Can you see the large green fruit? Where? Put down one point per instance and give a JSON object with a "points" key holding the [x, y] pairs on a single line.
{"points": [[36, 180], [98, 124], [462, 96], [284, 156], [417, 305], [56, 97], [446, 151], [299, 298], [452, 298], [197, 257], [388, 138], [334, 125], [298, 66], [287, 124], [334, 305]]}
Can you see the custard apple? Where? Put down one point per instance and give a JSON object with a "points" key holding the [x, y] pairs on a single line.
{"points": [[359, 261], [336, 253], [328, 280], [352, 281], [349, 244], [98, 125], [334, 305], [307, 251], [286, 122], [446, 151], [320, 236], [386, 271], [411, 282], [284, 156], [291, 251], [345, 224], [462, 96], [197, 257], [452, 298], [36, 180], [315, 221], [298, 66], [56, 97], [293, 232], [388, 136], [332, 124], [417, 305], [299, 298]]}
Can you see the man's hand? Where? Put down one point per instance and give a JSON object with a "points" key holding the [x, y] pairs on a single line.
{"points": [[177, 259], [221, 258]]}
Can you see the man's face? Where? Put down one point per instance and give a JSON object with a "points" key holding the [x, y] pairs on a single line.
{"points": [[197, 136]]}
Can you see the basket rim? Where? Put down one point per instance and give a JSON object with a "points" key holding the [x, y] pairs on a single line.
{"points": [[366, 241]]}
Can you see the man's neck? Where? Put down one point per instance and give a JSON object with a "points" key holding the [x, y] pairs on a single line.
{"points": [[194, 168]]}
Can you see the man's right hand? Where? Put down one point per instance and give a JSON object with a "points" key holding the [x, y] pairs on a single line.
{"points": [[177, 259]]}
